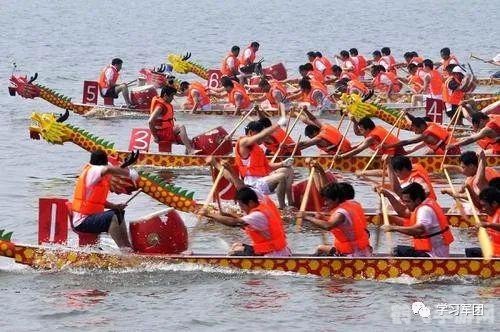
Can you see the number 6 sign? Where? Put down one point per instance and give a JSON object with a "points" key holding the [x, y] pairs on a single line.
{"points": [[214, 76], [140, 139]]}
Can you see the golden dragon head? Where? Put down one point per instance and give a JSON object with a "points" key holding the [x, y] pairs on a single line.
{"points": [[179, 63], [50, 127]]}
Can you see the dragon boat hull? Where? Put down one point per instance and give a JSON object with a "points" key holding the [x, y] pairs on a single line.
{"points": [[376, 268]]}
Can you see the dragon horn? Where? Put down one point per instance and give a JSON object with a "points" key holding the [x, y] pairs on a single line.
{"points": [[33, 78], [63, 117], [187, 56], [162, 68]]}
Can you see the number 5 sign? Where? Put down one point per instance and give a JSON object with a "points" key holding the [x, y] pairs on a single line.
{"points": [[434, 109], [90, 92], [140, 139]]}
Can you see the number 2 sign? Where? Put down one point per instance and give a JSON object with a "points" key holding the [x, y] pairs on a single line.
{"points": [[140, 139], [434, 109]]}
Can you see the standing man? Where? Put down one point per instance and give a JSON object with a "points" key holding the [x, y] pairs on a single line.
{"points": [[162, 123], [231, 64], [433, 82], [90, 199], [448, 59], [108, 79]]}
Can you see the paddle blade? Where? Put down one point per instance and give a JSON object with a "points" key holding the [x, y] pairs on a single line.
{"points": [[485, 243]]}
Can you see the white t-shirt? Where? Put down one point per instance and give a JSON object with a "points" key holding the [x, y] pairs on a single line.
{"points": [[384, 62], [108, 73], [347, 228], [230, 62], [428, 218], [319, 66], [94, 174], [258, 221], [246, 55]]}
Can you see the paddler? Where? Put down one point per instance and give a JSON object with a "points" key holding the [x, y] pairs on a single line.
{"points": [[347, 64], [487, 134], [424, 220], [385, 82], [346, 222], [197, 96], [262, 223], [247, 61], [108, 86], [236, 94], [402, 173], [478, 176], [273, 141], [316, 94], [322, 61], [429, 134], [489, 198], [275, 93], [359, 62], [230, 64], [326, 137], [162, 123], [388, 59], [433, 82], [374, 135], [90, 199]]}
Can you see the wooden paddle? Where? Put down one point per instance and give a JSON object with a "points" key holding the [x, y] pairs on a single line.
{"points": [[305, 198], [472, 56], [385, 217], [482, 234], [286, 136], [460, 207], [381, 202], [296, 146], [382, 143], [457, 116], [340, 144], [212, 191], [238, 124]]}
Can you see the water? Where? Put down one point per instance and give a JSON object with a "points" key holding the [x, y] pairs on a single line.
{"points": [[67, 42]]}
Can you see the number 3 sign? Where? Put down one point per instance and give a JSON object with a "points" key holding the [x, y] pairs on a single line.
{"points": [[140, 139]]}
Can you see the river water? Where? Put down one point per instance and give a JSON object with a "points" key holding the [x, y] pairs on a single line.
{"points": [[67, 42]]}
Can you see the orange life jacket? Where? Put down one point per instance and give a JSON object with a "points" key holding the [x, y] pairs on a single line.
{"points": [[416, 82], [277, 238], [203, 95], [378, 134], [238, 88], [492, 143], [489, 173], [165, 125], [441, 135], [315, 86], [333, 136], [379, 85], [436, 84], [224, 69], [275, 85], [251, 58], [391, 63], [360, 65], [277, 137], [91, 202], [359, 226], [327, 64], [449, 96], [418, 171], [356, 85], [424, 243], [417, 60], [349, 75], [103, 82], [315, 75], [447, 62], [257, 165], [494, 234]]}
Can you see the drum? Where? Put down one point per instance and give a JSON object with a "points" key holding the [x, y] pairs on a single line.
{"points": [[161, 232], [158, 80], [142, 96], [315, 202], [277, 71], [210, 140]]}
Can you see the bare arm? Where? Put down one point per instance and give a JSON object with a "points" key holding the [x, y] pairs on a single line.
{"points": [[393, 179], [399, 207], [477, 136], [250, 140], [415, 230], [480, 178], [226, 220], [332, 222], [365, 144]]}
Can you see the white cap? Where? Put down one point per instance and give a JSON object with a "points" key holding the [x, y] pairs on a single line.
{"points": [[458, 69]]}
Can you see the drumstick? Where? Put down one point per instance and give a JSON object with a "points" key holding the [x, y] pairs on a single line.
{"points": [[286, 136], [133, 196]]}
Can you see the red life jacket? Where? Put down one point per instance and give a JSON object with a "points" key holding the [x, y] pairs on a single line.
{"points": [[315, 86], [418, 171], [424, 243], [245, 101], [349, 75], [275, 85], [436, 84], [441, 135], [491, 143], [359, 225], [450, 96], [91, 202], [315, 75], [391, 63], [224, 69], [165, 125], [202, 93], [417, 60], [277, 137], [447, 62], [103, 81], [361, 64], [258, 165], [378, 134], [416, 82], [277, 239], [494, 234], [251, 58], [333, 136], [328, 66]]}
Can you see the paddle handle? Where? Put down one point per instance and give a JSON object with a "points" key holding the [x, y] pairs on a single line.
{"points": [[340, 144], [296, 146], [460, 207], [482, 234], [238, 124], [133, 196], [456, 117], [385, 218], [305, 198], [286, 136], [213, 189]]}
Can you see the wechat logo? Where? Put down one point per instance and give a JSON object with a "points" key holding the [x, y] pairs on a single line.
{"points": [[419, 308]]}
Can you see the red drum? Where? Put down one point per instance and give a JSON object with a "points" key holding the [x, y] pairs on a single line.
{"points": [[162, 232], [315, 202], [158, 80], [255, 80], [277, 71], [210, 140], [142, 96]]}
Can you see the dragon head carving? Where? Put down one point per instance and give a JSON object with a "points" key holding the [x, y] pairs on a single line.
{"points": [[24, 86], [50, 127], [179, 63]]}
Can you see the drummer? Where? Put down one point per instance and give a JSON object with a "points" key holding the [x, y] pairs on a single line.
{"points": [[197, 96], [262, 223]]}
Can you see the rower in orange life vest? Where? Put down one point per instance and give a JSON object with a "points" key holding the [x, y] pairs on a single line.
{"points": [[347, 64], [416, 81], [487, 133], [385, 82], [412, 57], [430, 135], [108, 79], [273, 141], [347, 223], [326, 137], [247, 61], [359, 62], [236, 94], [378, 60], [230, 65], [374, 135], [320, 63], [448, 59], [316, 94], [90, 198], [478, 176], [422, 218], [388, 59], [197, 96], [490, 201], [262, 224], [433, 82], [162, 123], [275, 93]]}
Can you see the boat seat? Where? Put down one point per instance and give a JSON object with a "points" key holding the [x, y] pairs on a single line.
{"points": [[84, 239]]}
